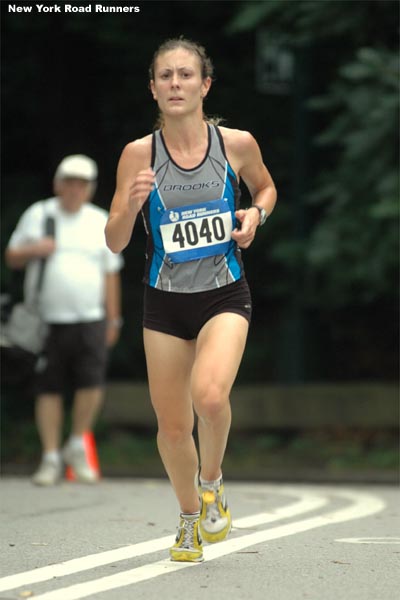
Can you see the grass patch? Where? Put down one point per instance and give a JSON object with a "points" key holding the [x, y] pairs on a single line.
{"points": [[133, 452]]}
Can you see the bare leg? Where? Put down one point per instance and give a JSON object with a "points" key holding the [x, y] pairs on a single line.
{"points": [[169, 362], [219, 350], [87, 403], [49, 412]]}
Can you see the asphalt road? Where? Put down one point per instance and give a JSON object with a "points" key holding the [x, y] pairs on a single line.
{"points": [[110, 542]]}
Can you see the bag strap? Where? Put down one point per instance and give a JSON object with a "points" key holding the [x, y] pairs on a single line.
{"points": [[48, 230]]}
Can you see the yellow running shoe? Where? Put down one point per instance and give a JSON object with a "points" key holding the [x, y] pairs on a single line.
{"points": [[215, 516], [188, 544]]}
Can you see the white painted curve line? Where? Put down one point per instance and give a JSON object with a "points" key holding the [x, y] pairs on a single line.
{"points": [[362, 505], [306, 503], [370, 540]]}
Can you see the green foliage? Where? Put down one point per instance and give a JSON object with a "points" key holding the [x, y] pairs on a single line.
{"points": [[353, 248], [345, 250], [300, 22]]}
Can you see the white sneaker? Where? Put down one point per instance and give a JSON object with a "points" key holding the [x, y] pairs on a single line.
{"points": [[76, 458], [48, 473]]}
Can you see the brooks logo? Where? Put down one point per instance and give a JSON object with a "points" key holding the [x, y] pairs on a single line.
{"points": [[190, 186]]}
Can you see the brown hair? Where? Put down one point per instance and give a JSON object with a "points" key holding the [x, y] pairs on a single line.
{"points": [[206, 66]]}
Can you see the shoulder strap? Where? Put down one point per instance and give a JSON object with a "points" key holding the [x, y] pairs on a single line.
{"points": [[48, 230], [153, 149], [221, 140]]}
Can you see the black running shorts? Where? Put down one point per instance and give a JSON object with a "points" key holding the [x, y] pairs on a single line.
{"points": [[75, 355], [183, 315]]}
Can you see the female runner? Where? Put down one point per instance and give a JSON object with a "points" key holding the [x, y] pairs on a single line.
{"points": [[184, 179]]}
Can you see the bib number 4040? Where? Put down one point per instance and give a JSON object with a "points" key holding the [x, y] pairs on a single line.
{"points": [[196, 231], [210, 230]]}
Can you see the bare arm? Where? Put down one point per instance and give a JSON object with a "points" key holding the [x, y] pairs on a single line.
{"points": [[134, 183], [113, 306], [18, 257], [248, 163]]}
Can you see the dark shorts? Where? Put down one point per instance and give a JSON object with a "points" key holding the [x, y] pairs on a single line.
{"points": [[75, 355], [183, 315]]}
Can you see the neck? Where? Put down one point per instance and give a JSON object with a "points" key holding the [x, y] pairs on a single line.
{"points": [[185, 135]]}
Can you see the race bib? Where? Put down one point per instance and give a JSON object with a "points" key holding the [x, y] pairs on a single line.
{"points": [[197, 230]]}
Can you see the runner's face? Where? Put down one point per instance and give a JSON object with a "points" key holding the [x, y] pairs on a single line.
{"points": [[178, 86]]}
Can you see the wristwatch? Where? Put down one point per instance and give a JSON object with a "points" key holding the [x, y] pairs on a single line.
{"points": [[263, 214]]}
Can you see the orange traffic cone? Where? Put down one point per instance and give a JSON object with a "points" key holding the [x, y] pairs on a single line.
{"points": [[92, 458]]}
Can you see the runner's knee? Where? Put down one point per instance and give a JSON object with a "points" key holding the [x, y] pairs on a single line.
{"points": [[174, 434], [210, 400]]}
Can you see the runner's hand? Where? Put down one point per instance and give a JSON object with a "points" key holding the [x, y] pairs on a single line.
{"points": [[249, 220], [141, 188]]}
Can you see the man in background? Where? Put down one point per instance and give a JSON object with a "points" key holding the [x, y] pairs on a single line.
{"points": [[80, 301]]}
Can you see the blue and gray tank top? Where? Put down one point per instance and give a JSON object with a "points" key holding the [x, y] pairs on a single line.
{"points": [[189, 218]]}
